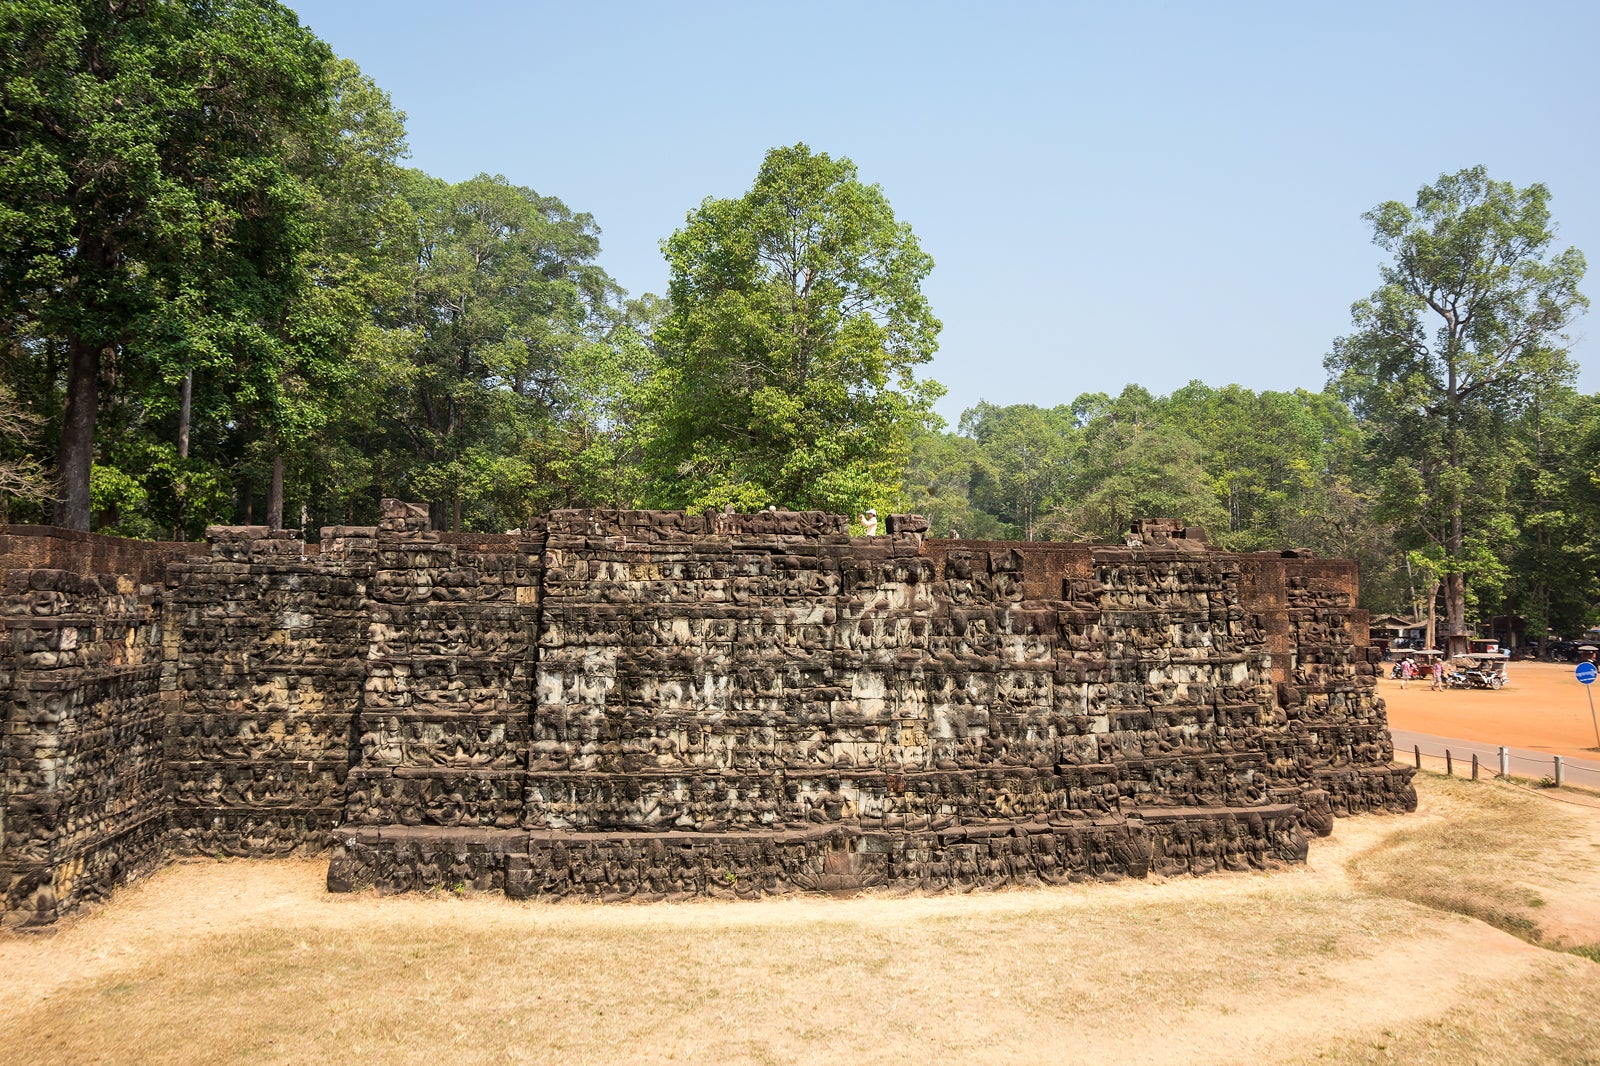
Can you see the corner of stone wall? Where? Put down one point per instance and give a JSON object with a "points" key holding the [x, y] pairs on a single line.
{"points": [[448, 693], [82, 802]]}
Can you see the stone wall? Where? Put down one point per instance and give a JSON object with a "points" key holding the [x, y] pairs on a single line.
{"points": [[748, 704], [83, 804], [448, 693], [264, 646], [653, 704]]}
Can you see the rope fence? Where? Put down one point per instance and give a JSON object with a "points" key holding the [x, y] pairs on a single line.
{"points": [[1553, 767]]}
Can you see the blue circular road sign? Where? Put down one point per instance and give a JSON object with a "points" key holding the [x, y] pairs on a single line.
{"points": [[1587, 673]]}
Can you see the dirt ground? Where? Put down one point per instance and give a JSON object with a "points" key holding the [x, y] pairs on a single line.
{"points": [[1363, 955], [1542, 707]]}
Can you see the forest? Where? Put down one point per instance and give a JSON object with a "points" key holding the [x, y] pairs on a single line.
{"points": [[224, 297]]}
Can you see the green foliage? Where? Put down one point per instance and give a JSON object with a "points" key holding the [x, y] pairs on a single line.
{"points": [[514, 368], [1026, 451], [377, 332], [22, 479], [944, 475], [1257, 470], [795, 324], [202, 193], [1133, 468], [150, 207], [1552, 577], [1465, 328]]}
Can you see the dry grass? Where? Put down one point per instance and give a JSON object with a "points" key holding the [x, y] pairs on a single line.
{"points": [[1519, 861], [253, 962], [1546, 1018]]}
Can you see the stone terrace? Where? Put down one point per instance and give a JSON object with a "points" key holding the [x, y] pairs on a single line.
{"points": [[641, 704]]}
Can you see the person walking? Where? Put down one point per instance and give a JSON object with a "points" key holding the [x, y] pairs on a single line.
{"points": [[1408, 670], [1438, 675]]}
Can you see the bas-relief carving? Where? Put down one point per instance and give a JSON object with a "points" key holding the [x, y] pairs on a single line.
{"points": [[651, 704]]}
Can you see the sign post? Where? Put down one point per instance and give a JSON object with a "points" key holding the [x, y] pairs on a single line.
{"points": [[1587, 672]]}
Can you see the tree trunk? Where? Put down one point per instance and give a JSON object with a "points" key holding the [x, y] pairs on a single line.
{"points": [[1432, 632], [185, 394], [1455, 584], [184, 397], [275, 495], [455, 512], [1455, 603], [76, 455]]}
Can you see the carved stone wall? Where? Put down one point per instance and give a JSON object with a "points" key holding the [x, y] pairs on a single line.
{"points": [[652, 704], [264, 648], [82, 798], [448, 692], [754, 703]]}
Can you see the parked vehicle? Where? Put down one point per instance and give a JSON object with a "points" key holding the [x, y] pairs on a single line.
{"points": [[1483, 670], [1422, 658]]}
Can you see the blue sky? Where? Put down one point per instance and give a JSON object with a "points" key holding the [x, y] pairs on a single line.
{"points": [[1112, 193]]}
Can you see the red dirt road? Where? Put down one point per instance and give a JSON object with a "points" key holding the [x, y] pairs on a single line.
{"points": [[1542, 707]]}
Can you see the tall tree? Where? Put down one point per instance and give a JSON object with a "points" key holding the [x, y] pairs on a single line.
{"points": [[1271, 457], [944, 475], [1554, 574], [796, 324], [354, 268], [499, 336], [1469, 317], [144, 176]]}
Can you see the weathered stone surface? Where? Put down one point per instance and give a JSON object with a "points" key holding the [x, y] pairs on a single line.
{"points": [[82, 803], [262, 677], [651, 704], [669, 865]]}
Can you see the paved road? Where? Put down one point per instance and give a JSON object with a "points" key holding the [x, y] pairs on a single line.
{"points": [[1524, 761]]}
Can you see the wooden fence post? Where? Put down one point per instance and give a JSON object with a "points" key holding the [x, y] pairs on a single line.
{"points": [[1449, 768], [1418, 749], [1474, 766], [1559, 774]]}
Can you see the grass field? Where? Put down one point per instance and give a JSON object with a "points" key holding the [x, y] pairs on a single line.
{"points": [[1364, 955]]}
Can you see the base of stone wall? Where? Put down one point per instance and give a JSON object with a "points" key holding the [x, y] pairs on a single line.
{"points": [[271, 833], [838, 859], [37, 893]]}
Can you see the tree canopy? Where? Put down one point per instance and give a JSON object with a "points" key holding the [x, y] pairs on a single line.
{"points": [[1462, 334], [148, 197], [795, 324]]}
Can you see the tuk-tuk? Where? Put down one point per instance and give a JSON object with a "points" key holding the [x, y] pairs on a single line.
{"points": [[1479, 670], [1422, 657]]}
